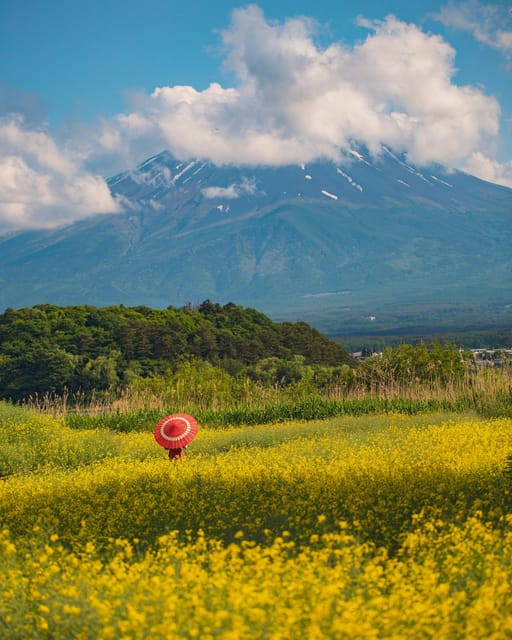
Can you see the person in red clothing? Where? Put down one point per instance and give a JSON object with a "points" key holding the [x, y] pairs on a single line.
{"points": [[174, 454], [175, 432]]}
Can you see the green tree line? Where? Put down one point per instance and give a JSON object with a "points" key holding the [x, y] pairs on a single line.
{"points": [[49, 349], [498, 338]]}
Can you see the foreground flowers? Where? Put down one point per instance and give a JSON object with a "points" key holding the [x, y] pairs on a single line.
{"points": [[446, 582], [389, 527]]}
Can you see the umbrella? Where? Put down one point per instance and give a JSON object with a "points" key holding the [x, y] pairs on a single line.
{"points": [[176, 431]]}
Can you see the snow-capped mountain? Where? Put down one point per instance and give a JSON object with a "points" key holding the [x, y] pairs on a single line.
{"points": [[356, 182], [351, 237]]}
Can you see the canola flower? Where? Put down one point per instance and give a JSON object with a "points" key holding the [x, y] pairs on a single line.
{"points": [[447, 581], [380, 481], [384, 527], [31, 441]]}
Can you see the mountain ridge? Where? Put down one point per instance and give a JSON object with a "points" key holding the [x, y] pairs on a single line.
{"points": [[283, 239], [238, 183]]}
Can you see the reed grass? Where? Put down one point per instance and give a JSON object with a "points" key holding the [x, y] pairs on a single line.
{"points": [[135, 408]]}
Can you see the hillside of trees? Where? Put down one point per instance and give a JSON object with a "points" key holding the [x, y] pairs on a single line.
{"points": [[49, 349]]}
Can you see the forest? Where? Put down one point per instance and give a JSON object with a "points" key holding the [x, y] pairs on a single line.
{"points": [[50, 349]]}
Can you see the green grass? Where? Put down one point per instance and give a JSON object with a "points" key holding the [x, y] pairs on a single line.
{"points": [[309, 408]]}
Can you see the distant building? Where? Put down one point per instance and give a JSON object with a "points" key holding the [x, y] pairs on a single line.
{"points": [[491, 357]]}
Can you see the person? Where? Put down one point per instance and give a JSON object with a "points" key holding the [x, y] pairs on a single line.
{"points": [[174, 454], [175, 432]]}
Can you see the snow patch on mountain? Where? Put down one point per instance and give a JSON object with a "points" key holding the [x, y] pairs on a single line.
{"points": [[349, 179], [187, 167], [360, 157], [442, 181], [407, 166], [356, 154], [417, 173]]}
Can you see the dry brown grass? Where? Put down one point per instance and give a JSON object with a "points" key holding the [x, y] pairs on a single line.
{"points": [[485, 385]]}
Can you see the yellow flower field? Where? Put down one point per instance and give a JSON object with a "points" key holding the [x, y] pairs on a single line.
{"points": [[373, 527]]}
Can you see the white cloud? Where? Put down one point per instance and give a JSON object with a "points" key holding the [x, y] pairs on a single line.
{"points": [[293, 101], [296, 101], [41, 184], [489, 169], [489, 23], [229, 193], [246, 186]]}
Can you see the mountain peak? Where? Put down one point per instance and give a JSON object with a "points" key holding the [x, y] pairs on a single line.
{"points": [[352, 236], [358, 180]]}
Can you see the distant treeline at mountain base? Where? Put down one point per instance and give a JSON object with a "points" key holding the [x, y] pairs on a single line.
{"points": [[497, 338]]}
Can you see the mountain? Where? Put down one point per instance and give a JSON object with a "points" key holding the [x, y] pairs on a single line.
{"points": [[335, 244]]}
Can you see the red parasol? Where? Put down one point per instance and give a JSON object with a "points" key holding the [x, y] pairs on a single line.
{"points": [[176, 431]]}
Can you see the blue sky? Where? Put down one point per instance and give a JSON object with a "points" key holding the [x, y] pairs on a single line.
{"points": [[91, 88]]}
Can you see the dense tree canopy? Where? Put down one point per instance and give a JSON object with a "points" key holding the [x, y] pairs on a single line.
{"points": [[47, 348]]}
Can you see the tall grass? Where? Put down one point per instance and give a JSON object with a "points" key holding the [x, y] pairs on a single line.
{"points": [[224, 400], [308, 408]]}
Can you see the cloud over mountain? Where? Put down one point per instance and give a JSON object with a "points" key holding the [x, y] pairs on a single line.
{"points": [[293, 101], [42, 184], [296, 101]]}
